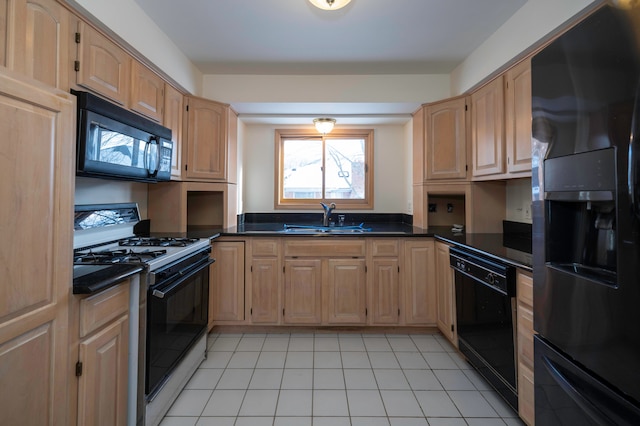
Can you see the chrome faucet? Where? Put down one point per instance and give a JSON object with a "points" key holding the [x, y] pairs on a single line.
{"points": [[327, 212]]}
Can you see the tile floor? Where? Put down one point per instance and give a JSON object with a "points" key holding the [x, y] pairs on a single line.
{"points": [[336, 379]]}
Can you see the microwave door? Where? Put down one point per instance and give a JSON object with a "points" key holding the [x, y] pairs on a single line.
{"points": [[152, 157]]}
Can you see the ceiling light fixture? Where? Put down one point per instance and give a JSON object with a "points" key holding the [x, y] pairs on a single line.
{"points": [[330, 4], [324, 125]]}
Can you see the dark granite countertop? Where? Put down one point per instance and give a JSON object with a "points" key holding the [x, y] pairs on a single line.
{"points": [[511, 249], [89, 279]]}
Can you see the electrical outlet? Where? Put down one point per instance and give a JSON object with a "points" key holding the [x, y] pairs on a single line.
{"points": [[449, 208], [433, 207], [527, 211], [409, 207]]}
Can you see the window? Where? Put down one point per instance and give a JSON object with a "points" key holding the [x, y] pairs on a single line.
{"points": [[312, 168]]}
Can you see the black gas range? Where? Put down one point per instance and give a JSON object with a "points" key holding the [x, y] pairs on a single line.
{"points": [[169, 306]]}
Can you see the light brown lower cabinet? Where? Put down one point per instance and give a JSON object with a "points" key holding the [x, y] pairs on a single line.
{"points": [[383, 281], [328, 281], [345, 288], [445, 291], [227, 285], [302, 291], [419, 281], [526, 407], [102, 367]]}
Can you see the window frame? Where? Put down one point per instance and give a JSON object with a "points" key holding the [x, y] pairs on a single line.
{"points": [[313, 204]]}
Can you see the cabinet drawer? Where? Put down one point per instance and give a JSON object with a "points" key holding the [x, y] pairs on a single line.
{"points": [[327, 246], [101, 308], [264, 247], [386, 248], [524, 289]]}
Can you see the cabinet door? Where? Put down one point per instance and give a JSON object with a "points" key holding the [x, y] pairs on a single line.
{"points": [[227, 284], [346, 296], [518, 117], [102, 392], [302, 291], [385, 276], [103, 66], [265, 294], [419, 283], [147, 92], [445, 137], [445, 292], [41, 41], [6, 23], [206, 139], [36, 189], [487, 128], [173, 115]]}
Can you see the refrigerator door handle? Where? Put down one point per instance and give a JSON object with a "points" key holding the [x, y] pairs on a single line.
{"points": [[588, 407], [633, 179]]}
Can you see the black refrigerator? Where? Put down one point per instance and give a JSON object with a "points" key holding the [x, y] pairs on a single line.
{"points": [[586, 221]]}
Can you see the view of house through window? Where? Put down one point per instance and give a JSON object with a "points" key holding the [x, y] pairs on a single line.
{"points": [[314, 168]]}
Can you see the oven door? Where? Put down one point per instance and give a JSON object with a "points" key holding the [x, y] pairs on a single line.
{"points": [[485, 319], [177, 315]]}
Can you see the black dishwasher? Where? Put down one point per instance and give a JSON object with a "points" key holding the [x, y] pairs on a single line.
{"points": [[485, 315]]}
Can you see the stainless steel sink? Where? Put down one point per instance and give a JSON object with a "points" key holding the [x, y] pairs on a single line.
{"points": [[319, 229]]}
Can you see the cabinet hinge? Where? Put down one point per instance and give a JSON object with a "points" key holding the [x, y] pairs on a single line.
{"points": [[366, 312], [466, 167], [398, 268], [283, 312], [187, 108], [398, 312], [76, 66], [283, 269], [251, 268], [365, 269], [185, 167], [452, 328], [77, 39], [466, 107], [250, 311], [78, 369]]}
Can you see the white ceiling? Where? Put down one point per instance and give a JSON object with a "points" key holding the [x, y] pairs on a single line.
{"points": [[293, 37]]}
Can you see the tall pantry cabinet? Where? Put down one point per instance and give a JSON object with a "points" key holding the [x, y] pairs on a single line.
{"points": [[36, 215]]}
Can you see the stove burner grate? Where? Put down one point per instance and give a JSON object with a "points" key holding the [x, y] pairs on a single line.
{"points": [[157, 241], [117, 256]]}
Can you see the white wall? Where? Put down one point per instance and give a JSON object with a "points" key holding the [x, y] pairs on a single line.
{"points": [[102, 191], [326, 88], [530, 23], [390, 143]]}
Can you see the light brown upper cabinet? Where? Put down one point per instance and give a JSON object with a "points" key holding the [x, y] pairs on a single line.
{"points": [[5, 26], [210, 140], [518, 117], [173, 116], [102, 66], [40, 44], [147, 92], [445, 140], [487, 128]]}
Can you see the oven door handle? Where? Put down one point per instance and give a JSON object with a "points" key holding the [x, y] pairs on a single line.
{"points": [[160, 293]]}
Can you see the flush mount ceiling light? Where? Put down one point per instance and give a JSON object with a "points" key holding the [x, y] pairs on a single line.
{"points": [[324, 125], [330, 4]]}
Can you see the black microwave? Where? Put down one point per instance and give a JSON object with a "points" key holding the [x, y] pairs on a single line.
{"points": [[115, 143]]}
